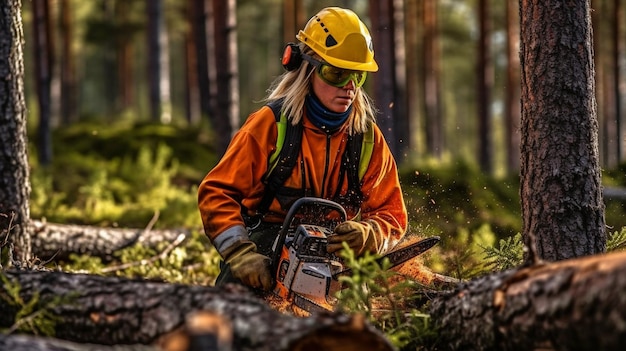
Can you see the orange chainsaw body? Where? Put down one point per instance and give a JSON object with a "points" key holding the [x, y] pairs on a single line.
{"points": [[305, 269]]}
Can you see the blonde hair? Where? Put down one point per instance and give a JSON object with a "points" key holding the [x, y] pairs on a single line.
{"points": [[294, 86]]}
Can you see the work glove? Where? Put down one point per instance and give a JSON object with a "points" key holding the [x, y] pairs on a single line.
{"points": [[250, 267], [360, 236]]}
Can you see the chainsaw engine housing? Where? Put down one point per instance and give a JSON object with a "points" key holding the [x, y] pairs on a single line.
{"points": [[306, 269]]}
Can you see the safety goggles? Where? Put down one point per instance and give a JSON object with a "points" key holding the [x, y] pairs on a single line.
{"points": [[335, 76]]}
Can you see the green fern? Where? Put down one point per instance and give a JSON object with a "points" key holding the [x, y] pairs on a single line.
{"points": [[510, 251], [508, 254], [616, 241]]}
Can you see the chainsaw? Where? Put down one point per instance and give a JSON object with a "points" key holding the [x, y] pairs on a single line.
{"points": [[305, 272]]}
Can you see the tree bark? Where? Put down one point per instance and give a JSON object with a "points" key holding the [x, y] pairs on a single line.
{"points": [[226, 118], [69, 112], [432, 81], [111, 310], [58, 241], [34, 343], [615, 63], [14, 169], [414, 35], [193, 97], [402, 123], [203, 30], [125, 53], [575, 304], [384, 82], [512, 97], [294, 19], [44, 63], [158, 63], [484, 74], [560, 187]]}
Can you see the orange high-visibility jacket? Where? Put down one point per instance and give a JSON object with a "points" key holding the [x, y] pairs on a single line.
{"points": [[237, 180]]}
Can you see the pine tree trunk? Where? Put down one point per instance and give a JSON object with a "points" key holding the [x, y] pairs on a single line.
{"points": [[69, 101], [560, 186], [384, 82], [14, 169], [484, 74], [226, 118], [44, 63], [512, 97], [433, 118], [158, 63]]}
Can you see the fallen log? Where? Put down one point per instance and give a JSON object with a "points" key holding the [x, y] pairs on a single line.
{"points": [[114, 310], [36, 343], [577, 304], [58, 241], [613, 193]]}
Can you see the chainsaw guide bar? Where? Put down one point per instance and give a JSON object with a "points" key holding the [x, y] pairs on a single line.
{"points": [[403, 254]]}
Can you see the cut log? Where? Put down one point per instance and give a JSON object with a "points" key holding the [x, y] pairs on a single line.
{"points": [[577, 304], [113, 310], [50, 240]]}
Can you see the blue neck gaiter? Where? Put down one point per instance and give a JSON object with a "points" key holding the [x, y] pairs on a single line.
{"points": [[321, 117]]}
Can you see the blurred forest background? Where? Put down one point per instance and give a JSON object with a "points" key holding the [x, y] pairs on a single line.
{"points": [[131, 102]]}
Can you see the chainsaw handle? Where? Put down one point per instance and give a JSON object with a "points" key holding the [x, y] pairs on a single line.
{"points": [[293, 210], [301, 202]]}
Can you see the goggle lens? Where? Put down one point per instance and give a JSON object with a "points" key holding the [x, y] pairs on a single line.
{"points": [[339, 77], [335, 76]]}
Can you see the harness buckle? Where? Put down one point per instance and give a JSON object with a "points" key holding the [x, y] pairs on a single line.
{"points": [[252, 223]]}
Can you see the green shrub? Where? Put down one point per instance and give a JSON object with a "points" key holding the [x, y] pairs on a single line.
{"points": [[125, 191], [194, 261], [372, 291]]}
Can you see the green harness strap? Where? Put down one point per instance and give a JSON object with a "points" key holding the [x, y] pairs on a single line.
{"points": [[367, 148], [281, 126]]}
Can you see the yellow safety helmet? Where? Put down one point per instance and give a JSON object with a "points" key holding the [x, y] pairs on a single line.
{"points": [[341, 39]]}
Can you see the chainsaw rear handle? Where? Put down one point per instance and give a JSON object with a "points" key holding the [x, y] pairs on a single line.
{"points": [[293, 210]]}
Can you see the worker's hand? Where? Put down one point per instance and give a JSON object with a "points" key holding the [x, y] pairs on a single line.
{"points": [[252, 268], [360, 237]]}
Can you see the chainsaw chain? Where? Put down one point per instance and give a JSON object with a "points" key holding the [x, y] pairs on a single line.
{"points": [[308, 304]]}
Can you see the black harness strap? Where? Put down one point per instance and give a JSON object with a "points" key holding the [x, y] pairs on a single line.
{"points": [[288, 156], [286, 160], [350, 161]]}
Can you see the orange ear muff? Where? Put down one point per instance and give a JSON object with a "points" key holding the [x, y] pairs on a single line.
{"points": [[292, 58]]}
